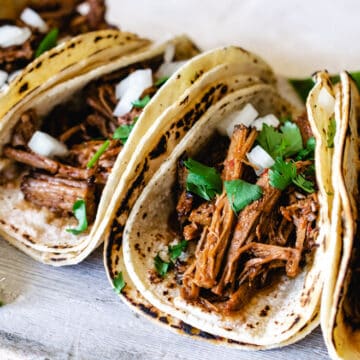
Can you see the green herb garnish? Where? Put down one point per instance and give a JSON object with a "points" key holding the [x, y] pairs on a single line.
{"points": [[303, 86], [97, 155], [285, 143], [79, 210], [302, 183], [202, 180], [330, 135], [282, 174], [241, 193], [176, 250], [308, 152], [161, 266], [1, 303], [119, 283], [48, 42], [122, 133], [141, 103], [161, 81]]}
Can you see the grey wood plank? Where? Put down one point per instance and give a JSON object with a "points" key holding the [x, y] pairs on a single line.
{"points": [[72, 313]]}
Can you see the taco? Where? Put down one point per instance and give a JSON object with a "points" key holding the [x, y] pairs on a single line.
{"points": [[227, 236], [65, 146], [340, 320]]}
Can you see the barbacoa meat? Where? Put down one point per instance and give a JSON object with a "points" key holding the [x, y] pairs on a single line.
{"points": [[236, 255]]}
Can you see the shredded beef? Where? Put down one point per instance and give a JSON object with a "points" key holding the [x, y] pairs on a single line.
{"points": [[58, 194]]}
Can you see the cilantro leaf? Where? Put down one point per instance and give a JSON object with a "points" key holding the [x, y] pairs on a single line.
{"points": [[302, 183], [48, 42], [331, 130], [269, 139], [176, 250], [122, 133], [161, 81], [141, 103], [291, 136], [161, 266], [79, 210], [97, 155], [202, 180], [308, 151], [285, 143], [282, 174], [119, 283], [1, 303], [241, 193]]}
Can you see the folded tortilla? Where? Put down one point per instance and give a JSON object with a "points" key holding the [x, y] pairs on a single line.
{"points": [[340, 319], [36, 230], [276, 315]]}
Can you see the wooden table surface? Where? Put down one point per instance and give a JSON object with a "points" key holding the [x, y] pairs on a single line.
{"points": [[72, 313]]}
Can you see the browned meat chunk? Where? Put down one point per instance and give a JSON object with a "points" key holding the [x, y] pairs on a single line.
{"points": [[25, 128], [209, 261], [57, 194]]}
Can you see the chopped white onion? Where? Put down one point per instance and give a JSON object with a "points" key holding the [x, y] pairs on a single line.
{"points": [[260, 158], [270, 120], [130, 90], [4, 88], [167, 69], [3, 77], [45, 145], [244, 116], [32, 18], [83, 8], [326, 101], [169, 53], [13, 75], [11, 35]]}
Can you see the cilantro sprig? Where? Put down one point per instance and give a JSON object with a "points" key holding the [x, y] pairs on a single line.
{"points": [[48, 42], [141, 103], [122, 133], [79, 210], [283, 173], [161, 81], [119, 283], [98, 154], [174, 251], [308, 152], [162, 267], [241, 193], [202, 180], [286, 142]]}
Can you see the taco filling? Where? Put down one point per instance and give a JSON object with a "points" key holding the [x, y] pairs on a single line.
{"points": [[62, 162], [247, 211], [41, 26]]}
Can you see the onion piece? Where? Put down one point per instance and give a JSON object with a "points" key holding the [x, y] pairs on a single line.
{"points": [[270, 120], [260, 158], [130, 90], [83, 8], [167, 69], [244, 116], [169, 53], [3, 77], [45, 145], [11, 35], [326, 101], [32, 18]]}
